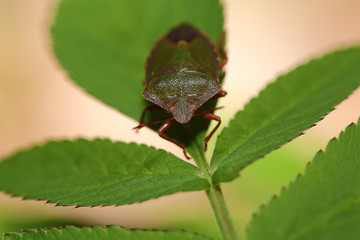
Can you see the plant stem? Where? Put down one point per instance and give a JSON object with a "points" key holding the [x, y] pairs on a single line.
{"points": [[221, 213], [201, 161], [215, 196]]}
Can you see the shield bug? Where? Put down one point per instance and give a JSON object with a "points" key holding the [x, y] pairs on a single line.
{"points": [[182, 73]]}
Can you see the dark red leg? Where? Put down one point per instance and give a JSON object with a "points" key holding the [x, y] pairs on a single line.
{"points": [[222, 63], [220, 94], [222, 51], [199, 114], [151, 123], [163, 128], [209, 116], [147, 109]]}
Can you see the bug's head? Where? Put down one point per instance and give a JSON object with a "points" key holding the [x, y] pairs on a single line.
{"points": [[183, 111], [181, 93]]}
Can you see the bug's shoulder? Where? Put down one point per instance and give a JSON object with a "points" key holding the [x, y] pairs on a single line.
{"points": [[184, 48]]}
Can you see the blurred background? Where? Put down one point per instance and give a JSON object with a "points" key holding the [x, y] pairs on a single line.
{"points": [[265, 38]]}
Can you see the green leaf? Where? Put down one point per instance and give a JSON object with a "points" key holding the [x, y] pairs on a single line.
{"points": [[95, 173], [284, 109], [324, 203], [103, 233], [103, 44], [11, 225]]}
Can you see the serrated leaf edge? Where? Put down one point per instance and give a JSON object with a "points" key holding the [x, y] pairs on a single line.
{"points": [[56, 203], [292, 70], [60, 228], [300, 175]]}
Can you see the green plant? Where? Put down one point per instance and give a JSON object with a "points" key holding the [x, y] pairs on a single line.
{"points": [[103, 46]]}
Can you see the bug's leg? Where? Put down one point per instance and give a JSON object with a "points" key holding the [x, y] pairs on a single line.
{"points": [[210, 116], [220, 94], [163, 128], [209, 110], [222, 63], [222, 51], [151, 123], [147, 109]]}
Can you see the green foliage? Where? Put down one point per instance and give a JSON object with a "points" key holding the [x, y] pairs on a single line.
{"points": [[103, 44], [94, 173], [103, 233], [284, 109], [324, 203], [11, 221]]}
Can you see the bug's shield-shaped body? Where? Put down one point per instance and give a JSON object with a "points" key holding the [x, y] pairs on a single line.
{"points": [[182, 72]]}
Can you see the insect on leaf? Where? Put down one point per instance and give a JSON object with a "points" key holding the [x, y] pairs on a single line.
{"points": [[103, 45], [182, 73]]}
